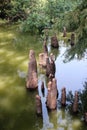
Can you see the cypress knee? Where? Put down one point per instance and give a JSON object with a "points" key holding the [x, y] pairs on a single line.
{"points": [[38, 105], [72, 39], [32, 79], [48, 71], [85, 117], [52, 95], [54, 41], [75, 103], [45, 47], [63, 96]]}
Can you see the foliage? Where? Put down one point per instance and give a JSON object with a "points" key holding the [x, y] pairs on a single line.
{"points": [[79, 22], [35, 23], [38, 14], [5, 6], [64, 12], [45, 15], [13, 9]]}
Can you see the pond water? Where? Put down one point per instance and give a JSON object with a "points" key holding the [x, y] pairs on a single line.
{"points": [[17, 105], [71, 75]]}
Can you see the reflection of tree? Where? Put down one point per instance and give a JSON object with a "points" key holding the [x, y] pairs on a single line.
{"points": [[66, 119], [74, 52], [83, 96], [82, 104]]}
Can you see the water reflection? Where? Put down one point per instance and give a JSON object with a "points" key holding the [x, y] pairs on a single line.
{"points": [[72, 75], [46, 122]]}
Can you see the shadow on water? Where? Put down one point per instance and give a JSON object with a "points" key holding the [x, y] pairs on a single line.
{"points": [[17, 105]]}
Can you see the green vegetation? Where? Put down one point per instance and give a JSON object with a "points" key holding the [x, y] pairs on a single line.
{"points": [[76, 21]]}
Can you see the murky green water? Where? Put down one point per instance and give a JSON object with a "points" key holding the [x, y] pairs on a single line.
{"points": [[17, 105]]}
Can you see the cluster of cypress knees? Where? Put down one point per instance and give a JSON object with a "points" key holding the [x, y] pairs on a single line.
{"points": [[47, 62]]}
